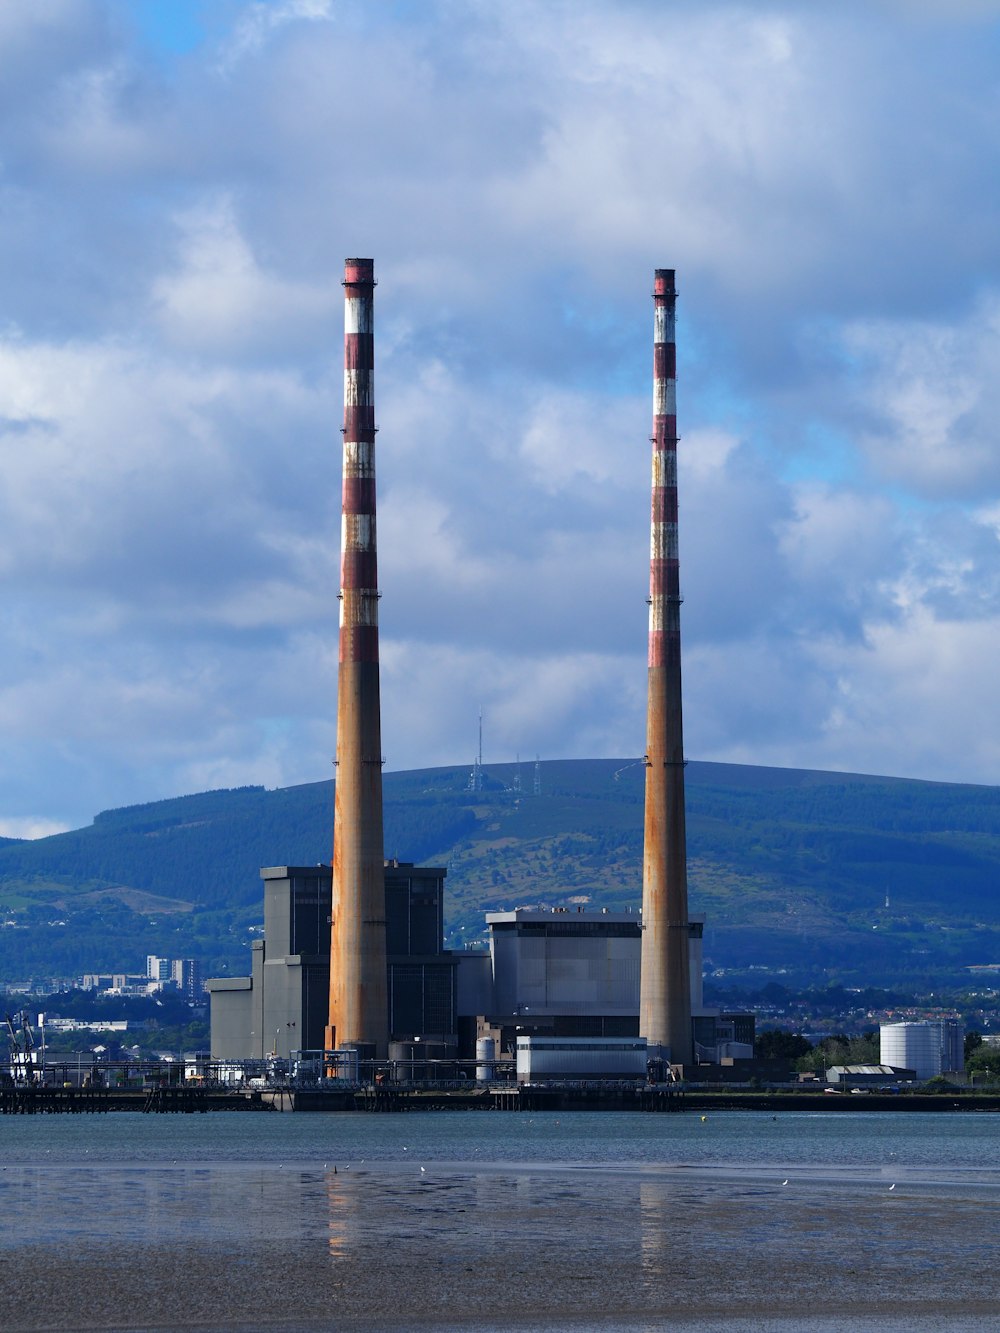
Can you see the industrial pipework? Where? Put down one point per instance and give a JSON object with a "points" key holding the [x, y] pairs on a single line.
{"points": [[358, 1014], [665, 994]]}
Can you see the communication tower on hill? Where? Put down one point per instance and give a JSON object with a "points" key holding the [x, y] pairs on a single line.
{"points": [[476, 776]]}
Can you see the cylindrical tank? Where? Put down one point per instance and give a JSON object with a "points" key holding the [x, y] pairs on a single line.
{"points": [[417, 1059], [486, 1054], [916, 1046]]}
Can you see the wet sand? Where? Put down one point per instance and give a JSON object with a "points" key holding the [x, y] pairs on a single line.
{"points": [[286, 1245]]}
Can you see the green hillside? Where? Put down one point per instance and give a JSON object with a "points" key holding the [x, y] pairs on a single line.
{"points": [[791, 867]]}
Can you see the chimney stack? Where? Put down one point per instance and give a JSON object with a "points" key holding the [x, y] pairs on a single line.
{"points": [[358, 1014], [665, 993]]}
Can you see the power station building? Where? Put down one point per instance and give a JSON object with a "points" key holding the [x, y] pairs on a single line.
{"points": [[575, 972], [281, 1008], [352, 957], [550, 973]]}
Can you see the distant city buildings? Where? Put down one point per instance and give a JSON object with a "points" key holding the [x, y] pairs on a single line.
{"points": [[182, 974]]}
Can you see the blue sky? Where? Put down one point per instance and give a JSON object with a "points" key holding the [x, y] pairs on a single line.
{"points": [[180, 183], [169, 27]]}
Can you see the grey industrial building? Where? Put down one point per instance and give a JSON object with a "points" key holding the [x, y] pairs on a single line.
{"points": [[575, 973], [281, 1007], [549, 973]]}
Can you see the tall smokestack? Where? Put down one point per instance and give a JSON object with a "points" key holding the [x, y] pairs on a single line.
{"points": [[665, 995], [358, 1003]]}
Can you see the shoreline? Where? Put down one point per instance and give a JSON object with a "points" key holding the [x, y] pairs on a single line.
{"points": [[534, 1098]]}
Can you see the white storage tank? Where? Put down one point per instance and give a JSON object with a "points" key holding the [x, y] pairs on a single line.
{"points": [[486, 1054], [929, 1047]]}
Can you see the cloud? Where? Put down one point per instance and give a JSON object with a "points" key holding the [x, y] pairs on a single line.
{"points": [[172, 231], [259, 22], [219, 300], [931, 399], [31, 828]]}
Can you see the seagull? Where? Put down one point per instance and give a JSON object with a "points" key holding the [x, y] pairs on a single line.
{"points": [[892, 1187], [704, 1118], [784, 1182], [423, 1170]]}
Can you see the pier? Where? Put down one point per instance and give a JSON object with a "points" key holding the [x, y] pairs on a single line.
{"points": [[587, 1097], [32, 1099]]}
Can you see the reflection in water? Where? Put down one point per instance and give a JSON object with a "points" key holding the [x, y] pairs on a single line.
{"points": [[480, 1242], [340, 1208], [653, 1223]]}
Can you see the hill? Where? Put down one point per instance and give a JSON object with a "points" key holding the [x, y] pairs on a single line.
{"points": [[793, 868]]}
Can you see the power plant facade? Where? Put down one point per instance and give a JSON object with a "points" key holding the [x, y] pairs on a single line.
{"points": [[358, 1010], [665, 1006], [281, 1009], [574, 974], [388, 981]]}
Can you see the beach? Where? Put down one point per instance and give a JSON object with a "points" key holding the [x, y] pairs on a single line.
{"points": [[422, 1222]]}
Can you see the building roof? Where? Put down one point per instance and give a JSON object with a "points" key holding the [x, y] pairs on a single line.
{"points": [[853, 1071], [540, 913]]}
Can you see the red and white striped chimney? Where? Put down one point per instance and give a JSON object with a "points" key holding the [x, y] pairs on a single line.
{"points": [[665, 993], [358, 1015]]}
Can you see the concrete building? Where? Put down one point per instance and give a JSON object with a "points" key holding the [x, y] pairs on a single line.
{"points": [[109, 981], [157, 969], [578, 967], [569, 1058], [282, 1006], [186, 975], [930, 1046], [421, 973], [722, 1036], [575, 973]]}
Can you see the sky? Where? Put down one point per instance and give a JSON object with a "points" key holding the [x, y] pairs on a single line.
{"points": [[180, 183]]}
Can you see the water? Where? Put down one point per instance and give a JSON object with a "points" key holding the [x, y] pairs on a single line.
{"points": [[740, 1221]]}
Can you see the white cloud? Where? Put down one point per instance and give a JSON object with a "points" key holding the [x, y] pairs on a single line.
{"points": [[218, 299], [171, 242], [933, 400], [259, 22], [31, 828], [573, 439]]}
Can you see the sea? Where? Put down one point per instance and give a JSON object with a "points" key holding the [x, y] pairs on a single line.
{"points": [[604, 1223]]}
